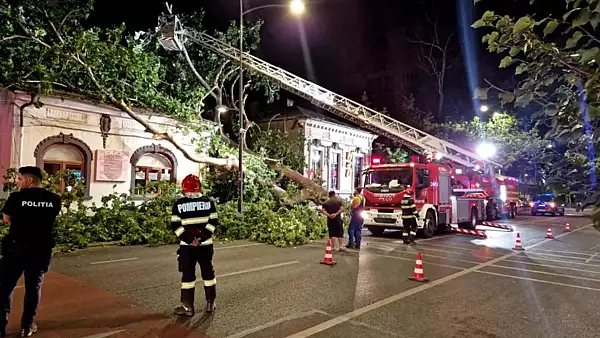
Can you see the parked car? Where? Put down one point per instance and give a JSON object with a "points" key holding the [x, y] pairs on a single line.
{"points": [[546, 204]]}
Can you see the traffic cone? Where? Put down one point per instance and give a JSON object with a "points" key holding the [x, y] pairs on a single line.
{"points": [[418, 273], [567, 227], [328, 260], [549, 233], [518, 243]]}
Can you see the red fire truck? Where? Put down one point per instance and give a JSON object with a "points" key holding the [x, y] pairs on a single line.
{"points": [[441, 198]]}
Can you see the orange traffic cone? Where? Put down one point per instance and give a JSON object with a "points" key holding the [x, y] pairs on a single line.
{"points": [[418, 274], [567, 227], [328, 260], [518, 243], [549, 233]]}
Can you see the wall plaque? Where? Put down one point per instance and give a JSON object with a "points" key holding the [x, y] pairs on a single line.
{"points": [[112, 165], [66, 115]]}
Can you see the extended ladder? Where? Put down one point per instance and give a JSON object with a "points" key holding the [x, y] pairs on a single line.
{"points": [[368, 118]]}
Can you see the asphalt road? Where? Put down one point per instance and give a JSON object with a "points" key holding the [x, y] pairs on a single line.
{"points": [[477, 288]]}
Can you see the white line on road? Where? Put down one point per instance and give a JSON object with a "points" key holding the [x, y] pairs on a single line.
{"points": [[553, 255], [568, 252], [348, 316], [238, 246], [115, 261], [539, 280], [546, 273], [591, 258], [257, 269], [557, 260], [103, 335], [273, 323], [550, 266]]}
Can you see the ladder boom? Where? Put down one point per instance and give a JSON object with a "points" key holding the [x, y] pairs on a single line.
{"points": [[368, 118]]}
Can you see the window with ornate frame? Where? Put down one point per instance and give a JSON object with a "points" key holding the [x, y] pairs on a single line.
{"points": [[153, 163], [63, 153]]}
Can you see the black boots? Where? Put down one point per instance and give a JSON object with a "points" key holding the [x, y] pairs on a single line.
{"points": [[183, 310], [210, 307]]}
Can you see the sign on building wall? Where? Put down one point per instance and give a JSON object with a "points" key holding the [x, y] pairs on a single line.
{"points": [[112, 165]]}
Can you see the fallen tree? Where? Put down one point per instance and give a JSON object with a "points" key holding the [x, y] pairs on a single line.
{"points": [[45, 50]]}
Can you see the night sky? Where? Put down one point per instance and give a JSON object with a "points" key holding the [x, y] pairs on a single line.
{"points": [[354, 45]]}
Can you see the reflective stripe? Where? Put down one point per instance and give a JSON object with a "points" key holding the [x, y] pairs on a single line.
{"points": [[175, 218], [196, 220], [179, 231], [189, 285], [206, 242], [405, 234], [214, 215], [210, 282], [210, 227], [408, 216], [413, 233]]}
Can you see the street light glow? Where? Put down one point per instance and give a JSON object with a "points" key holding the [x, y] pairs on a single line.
{"points": [[297, 6], [484, 108], [486, 150]]}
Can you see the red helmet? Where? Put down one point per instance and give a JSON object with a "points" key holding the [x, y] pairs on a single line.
{"points": [[191, 183]]}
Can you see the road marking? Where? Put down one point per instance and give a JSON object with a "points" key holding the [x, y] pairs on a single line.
{"points": [[238, 246], [348, 316], [558, 261], [553, 255], [102, 335], [539, 280], [551, 266], [257, 269], [357, 323], [420, 248], [545, 273], [115, 261], [424, 264], [569, 252], [273, 323], [591, 258]]}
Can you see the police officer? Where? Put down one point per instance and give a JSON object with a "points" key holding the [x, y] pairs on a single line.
{"points": [[27, 248], [409, 217], [194, 219]]}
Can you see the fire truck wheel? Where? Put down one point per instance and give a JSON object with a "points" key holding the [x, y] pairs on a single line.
{"points": [[430, 226], [377, 231], [472, 220]]}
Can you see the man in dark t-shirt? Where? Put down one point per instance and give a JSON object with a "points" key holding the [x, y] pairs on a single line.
{"points": [[27, 248], [333, 208]]}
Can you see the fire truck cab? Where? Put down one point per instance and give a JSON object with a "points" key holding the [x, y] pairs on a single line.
{"points": [[440, 201]]}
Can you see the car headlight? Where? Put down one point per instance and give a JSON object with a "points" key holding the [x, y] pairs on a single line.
{"points": [[363, 214], [552, 205]]}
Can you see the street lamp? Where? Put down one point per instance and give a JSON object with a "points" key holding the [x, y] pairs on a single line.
{"points": [[296, 7], [486, 150], [221, 109], [484, 108]]}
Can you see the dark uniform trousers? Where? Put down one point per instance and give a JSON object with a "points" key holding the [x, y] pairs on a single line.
{"points": [[409, 218], [188, 257], [18, 260]]}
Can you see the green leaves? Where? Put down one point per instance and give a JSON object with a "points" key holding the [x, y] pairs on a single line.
{"points": [[507, 61], [550, 27], [582, 18], [589, 55], [572, 42], [523, 24]]}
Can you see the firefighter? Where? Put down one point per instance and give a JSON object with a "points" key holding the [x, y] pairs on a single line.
{"points": [[356, 220], [27, 248], [194, 219], [409, 217]]}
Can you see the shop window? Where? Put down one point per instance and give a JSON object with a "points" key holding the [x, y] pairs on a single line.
{"points": [[334, 171], [64, 153], [152, 164]]}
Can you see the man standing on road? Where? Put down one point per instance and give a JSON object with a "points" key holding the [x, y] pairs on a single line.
{"points": [[356, 220], [409, 217], [333, 208], [194, 219], [27, 248]]}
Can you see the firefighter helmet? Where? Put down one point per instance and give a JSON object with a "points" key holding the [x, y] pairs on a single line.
{"points": [[191, 184]]}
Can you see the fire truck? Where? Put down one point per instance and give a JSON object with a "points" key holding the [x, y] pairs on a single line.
{"points": [[442, 197], [502, 191]]}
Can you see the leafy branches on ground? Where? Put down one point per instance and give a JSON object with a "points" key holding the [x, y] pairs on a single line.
{"points": [[557, 60], [128, 221]]}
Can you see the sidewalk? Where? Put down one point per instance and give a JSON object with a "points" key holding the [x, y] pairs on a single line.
{"points": [[72, 309]]}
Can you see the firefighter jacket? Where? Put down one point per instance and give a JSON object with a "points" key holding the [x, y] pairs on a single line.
{"points": [[409, 209], [194, 217]]}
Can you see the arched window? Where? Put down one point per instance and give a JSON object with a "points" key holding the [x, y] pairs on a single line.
{"points": [[152, 164], [65, 153]]}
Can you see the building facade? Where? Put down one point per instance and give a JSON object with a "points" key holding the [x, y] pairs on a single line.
{"points": [[101, 144], [335, 153]]}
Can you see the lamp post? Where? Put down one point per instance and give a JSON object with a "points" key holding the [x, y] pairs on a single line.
{"points": [[296, 7]]}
